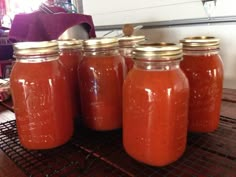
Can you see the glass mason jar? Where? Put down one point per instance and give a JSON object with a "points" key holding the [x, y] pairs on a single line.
{"points": [[126, 45], [155, 105], [70, 56], [203, 67], [40, 92], [101, 75]]}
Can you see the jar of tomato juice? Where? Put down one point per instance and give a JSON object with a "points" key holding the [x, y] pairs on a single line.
{"points": [[126, 45], [101, 75], [70, 56], [203, 66], [155, 105], [40, 93]]}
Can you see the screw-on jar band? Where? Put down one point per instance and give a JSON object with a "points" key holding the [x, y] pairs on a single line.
{"points": [[130, 41], [35, 48], [69, 44], [100, 43], [200, 43], [157, 52]]}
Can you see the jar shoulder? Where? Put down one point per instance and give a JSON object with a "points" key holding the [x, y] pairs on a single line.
{"points": [[37, 70], [142, 79], [201, 62]]}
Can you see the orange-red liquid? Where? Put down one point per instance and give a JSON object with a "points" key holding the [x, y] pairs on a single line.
{"points": [[43, 114], [205, 75], [155, 109], [70, 58], [100, 80], [129, 63]]}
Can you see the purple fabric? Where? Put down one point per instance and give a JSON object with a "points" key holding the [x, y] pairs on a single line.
{"points": [[39, 26]]}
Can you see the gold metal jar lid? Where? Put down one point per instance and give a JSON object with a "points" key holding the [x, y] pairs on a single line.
{"points": [[200, 43], [35, 48], [157, 52], [99, 43], [130, 41], [69, 43]]}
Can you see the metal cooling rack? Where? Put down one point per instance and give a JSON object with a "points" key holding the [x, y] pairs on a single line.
{"points": [[101, 154]]}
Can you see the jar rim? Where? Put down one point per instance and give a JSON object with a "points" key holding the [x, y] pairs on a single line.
{"points": [[200, 43], [99, 43], [35, 48], [157, 51], [130, 41], [69, 43]]}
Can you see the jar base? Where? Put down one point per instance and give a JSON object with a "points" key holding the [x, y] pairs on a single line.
{"points": [[44, 146], [155, 162]]}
